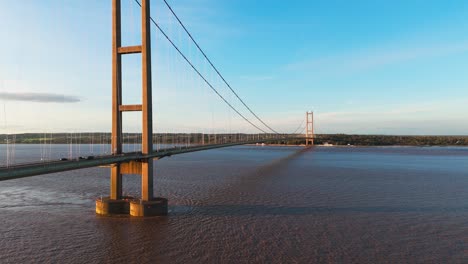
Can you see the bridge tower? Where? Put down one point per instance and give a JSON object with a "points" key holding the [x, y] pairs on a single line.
{"points": [[309, 128], [116, 203]]}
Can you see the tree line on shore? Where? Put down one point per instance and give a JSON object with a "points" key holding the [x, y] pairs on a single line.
{"points": [[386, 140], [169, 138]]}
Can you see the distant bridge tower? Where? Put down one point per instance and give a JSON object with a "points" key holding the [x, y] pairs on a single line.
{"points": [[148, 205], [309, 128]]}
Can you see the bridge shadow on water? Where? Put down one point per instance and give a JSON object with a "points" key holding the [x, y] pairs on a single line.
{"points": [[212, 208], [282, 162]]}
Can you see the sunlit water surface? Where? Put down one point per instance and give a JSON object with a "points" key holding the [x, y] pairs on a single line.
{"points": [[251, 204]]}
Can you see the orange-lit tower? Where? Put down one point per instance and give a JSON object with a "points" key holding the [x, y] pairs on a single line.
{"points": [[147, 205], [309, 128]]}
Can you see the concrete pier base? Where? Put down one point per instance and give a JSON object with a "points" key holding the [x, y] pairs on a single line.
{"points": [[107, 206], [156, 207], [134, 207]]}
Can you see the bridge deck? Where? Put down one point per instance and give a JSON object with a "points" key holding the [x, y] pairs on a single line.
{"points": [[33, 169]]}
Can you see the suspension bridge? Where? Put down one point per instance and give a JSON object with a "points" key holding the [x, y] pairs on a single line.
{"points": [[140, 162]]}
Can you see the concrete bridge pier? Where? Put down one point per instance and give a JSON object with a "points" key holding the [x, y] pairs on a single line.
{"points": [[130, 206], [155, 207], [148, 205], [116, 204]]}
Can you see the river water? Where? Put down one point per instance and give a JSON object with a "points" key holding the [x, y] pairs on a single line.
{"points": [[252, 204]]}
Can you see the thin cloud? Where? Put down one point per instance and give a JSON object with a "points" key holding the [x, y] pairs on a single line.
{"points": [[39, 97]]}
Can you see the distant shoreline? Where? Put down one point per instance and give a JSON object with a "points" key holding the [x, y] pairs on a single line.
{"points": [[196, 138], [354, 146]]}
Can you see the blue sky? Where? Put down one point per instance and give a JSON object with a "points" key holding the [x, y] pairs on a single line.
{"points": [[368, 67]]}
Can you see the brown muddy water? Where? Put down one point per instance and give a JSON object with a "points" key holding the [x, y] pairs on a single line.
{"points": [[252, 204]]}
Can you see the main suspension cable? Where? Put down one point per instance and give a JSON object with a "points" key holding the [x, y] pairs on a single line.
{"points": [[217, 71], [199, 74]]}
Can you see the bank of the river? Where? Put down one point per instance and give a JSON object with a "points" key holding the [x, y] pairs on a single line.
{"points": [[320, 139]]}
